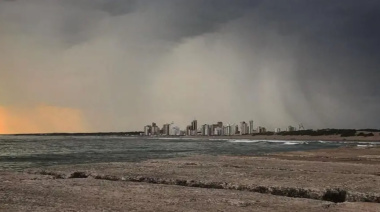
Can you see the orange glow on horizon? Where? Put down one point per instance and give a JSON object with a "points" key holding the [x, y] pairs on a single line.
{"points": [[2, 120], [41, 119]]}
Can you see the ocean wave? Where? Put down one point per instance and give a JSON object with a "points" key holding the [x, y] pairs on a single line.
{"points": [[363, 145], [292, 143], [162, 138], [287, 142], [276, 141], [243, 141], [219, 139], [267, 141], [175, 138]]}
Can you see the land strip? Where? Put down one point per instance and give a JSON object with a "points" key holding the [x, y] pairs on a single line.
{"points": [[343, 179]]}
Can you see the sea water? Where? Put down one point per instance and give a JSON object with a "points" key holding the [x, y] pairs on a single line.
{"points": [[20, 152]]}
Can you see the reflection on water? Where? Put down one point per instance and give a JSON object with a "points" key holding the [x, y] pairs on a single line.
{"points": [[19, 152]]}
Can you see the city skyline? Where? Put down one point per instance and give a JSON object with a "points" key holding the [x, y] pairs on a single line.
{"points": [[216, 129]]}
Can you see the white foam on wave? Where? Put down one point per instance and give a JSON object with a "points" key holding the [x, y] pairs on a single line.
{"points": [[175, 138], [219, 139], [292, 143], [163, 138], [286, 142], [243, 141], [363, 145], [276, 141], [267, 141]]}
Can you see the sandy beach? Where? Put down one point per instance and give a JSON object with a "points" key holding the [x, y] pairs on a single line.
{"points": [[342, 179]]}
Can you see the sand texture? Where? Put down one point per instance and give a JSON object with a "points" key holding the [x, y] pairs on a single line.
{"points": [[343, 179]]}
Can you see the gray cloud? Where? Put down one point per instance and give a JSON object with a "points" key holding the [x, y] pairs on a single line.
{"points": [[127, 63]]}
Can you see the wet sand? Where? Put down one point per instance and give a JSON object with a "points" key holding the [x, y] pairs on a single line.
{"points": [[343, 179]]}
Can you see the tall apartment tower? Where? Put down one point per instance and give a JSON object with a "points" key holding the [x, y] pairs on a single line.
{"points": [[251, 127], [212, 129], [188, 130], [205, 129], [244, 129], [261, 129], [165, 129], [236, 129], [227, 130], [194, 125], [233, 129], [147, 130]]}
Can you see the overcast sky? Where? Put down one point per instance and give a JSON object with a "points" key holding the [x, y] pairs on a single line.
{"points": [[117, 65]]}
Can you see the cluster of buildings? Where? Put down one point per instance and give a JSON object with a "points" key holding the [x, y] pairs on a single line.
{"points": [[167, 129], [220, 129], [217, 129]]}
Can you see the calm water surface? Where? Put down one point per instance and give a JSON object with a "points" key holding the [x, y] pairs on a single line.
{"points": [[20, 152]]}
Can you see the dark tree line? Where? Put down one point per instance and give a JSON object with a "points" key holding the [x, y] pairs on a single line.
{"points": [[134, 133], [325, 132]]}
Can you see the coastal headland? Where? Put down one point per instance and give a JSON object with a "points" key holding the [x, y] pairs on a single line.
{"points": [[340, 179]]}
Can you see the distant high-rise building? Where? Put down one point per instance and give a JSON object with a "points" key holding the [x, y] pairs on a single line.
{"points": [[251, 127], [165, 129], [205, 129], [233, 129], [227, 130], [291, 129], [244, 129], [171, 129], [188, 130], [155, 130], [277, 130], [261, 129], [212, 129], [174, 130], [236, 129], [220, 124], [194, 127], [147, 130], [218, 131]]}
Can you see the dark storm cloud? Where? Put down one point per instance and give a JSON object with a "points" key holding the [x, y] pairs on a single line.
{"points": [[335, 55], [194, 18], [126, 63], [340, 44], [113, 7]]}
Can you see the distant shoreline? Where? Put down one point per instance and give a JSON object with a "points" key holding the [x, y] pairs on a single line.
{"points": [[374, 138], [135, 133]]}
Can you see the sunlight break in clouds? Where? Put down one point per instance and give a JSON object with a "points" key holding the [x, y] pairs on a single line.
{"points": [[41, 119]]}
